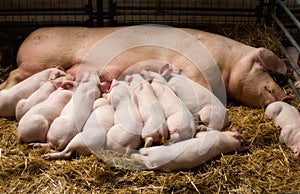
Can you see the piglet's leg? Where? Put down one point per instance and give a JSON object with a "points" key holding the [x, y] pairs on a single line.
{"points": [[297, 153], [40, 145], [190, 153], [58, 155], [75, 145]]}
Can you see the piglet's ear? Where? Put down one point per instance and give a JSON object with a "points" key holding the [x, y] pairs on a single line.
{"points": [[170, 67], [270, 61]]}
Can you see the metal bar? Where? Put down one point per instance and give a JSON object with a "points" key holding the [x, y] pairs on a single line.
{"points": [[270, 9], [289, 13], [41, 9], [42, 13], [183, 8], [297, 2], [259, 11], [189, 14], [100, 13], [294, 88], [89, 12], [287, 34], [42, 24], [292, 63], [112, 12]]}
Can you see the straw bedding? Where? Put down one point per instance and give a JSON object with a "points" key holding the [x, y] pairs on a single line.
{"points": [[268, 166]]}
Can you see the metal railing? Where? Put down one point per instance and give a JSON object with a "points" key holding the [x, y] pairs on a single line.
{"points": [[283, 10], [126, 12], [186, 13]]}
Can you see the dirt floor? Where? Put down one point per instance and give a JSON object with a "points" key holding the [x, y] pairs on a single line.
{"points": [[267, 167]]}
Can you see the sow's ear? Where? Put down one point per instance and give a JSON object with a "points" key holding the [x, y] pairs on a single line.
{"points": [[270, 61]]}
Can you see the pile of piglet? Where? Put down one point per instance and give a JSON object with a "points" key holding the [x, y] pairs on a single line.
{"points": [[145, 115]]}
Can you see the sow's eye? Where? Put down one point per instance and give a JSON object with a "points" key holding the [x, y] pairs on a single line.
{"points": [[280, 79], [268, 89]]}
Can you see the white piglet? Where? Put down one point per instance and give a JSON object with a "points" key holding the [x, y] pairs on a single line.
{"points": [[93, 135], [180, 121], [39, 95], [198, 100], [125, 135], [190, 153], [287, 118], [34, 125], [74, 115], [155, 129]]}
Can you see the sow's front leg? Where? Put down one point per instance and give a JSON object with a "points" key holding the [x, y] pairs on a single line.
{"points": [[190, 153]]}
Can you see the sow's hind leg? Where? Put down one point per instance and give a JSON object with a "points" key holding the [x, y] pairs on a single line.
{"points": [[24, 71], [15, 76]]}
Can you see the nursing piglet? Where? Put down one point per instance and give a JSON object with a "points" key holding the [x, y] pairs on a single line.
{"points": [[180, 121], [75, 113], [155, 128], [198, 100], [190, 153], [34, 125], [287, 118], [93, 135], [118, 91], [10, 97], [39, 95], [125, 135]]}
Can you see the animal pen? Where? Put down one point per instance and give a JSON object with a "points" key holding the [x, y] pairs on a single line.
{"points": [[268, 166]]}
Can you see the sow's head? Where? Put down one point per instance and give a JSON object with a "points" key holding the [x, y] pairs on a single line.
{"points": [[256, 85]]}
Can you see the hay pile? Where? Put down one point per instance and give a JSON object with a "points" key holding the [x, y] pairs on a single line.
{"points": [[267, 166]]}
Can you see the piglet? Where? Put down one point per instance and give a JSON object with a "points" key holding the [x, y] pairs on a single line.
{"points": [[93, 135], [10, 97], [75, 113], [287, 118], [190, 153], [118, 90], [34, 125], [39, 95], [180, 121], [155, 128], [198, 100], [125, 135]]}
